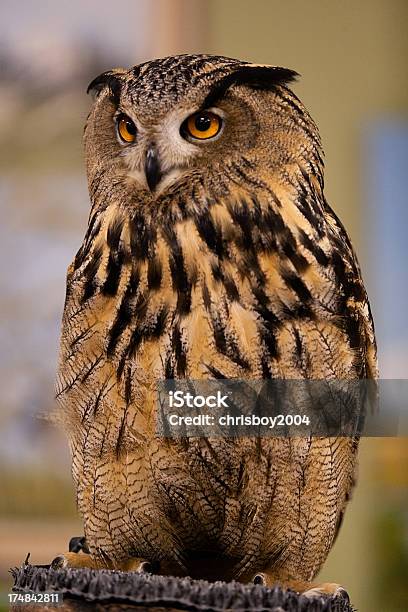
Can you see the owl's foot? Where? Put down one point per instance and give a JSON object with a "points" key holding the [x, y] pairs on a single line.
{"points": [[327, 588], [79, 557], [307, 589], [80, 560], [77, 560]]}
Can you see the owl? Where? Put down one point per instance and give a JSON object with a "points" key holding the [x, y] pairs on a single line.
{"points": [[210, 253]]}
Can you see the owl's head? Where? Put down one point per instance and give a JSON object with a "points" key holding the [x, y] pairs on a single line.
{"points": [[193, 118]]}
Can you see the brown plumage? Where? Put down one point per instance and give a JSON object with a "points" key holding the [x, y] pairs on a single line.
{"points": [[207, 258]]}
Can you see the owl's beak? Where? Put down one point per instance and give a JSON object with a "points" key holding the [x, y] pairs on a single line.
{"points": [[152, 169]]}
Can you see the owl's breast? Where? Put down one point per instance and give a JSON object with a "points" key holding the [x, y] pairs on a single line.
{"points": [[229, 293]]}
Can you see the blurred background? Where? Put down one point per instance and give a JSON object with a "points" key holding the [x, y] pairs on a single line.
{"points": [[352, 59]]}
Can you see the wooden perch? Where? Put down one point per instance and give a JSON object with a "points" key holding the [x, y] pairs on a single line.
{"points": [[111, 591]]}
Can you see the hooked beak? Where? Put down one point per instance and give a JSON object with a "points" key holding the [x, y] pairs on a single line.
{"points": [[152, 169]]}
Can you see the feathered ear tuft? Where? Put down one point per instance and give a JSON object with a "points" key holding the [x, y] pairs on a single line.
{"points": [[264, 77], [110, 79], [257, 76]]}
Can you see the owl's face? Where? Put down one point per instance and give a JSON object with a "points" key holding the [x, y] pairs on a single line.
{"points": [[187, 118]]}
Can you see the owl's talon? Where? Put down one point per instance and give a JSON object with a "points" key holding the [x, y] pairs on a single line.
{"points": [[148, 567], [145, 568], [342, 594], [78, 544], [259, 579]]}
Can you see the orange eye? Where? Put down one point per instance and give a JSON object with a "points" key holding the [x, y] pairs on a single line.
{"points": [[126, 128], [202, 125]]}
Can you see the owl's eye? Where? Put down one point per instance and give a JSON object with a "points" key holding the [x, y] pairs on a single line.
{"points": [[126, 128], [202, 125]]}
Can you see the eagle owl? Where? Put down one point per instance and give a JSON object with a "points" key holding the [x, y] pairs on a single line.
{"points": [[210, 252]]}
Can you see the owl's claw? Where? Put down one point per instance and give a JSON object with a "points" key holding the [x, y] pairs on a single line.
{"points": [[259, 579], [146, 567], [78, 544], [342, 594]]}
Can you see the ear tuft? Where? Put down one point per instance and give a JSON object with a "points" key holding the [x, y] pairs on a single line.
{"points": [[257, 76], [110, 79], [264, 77]]}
